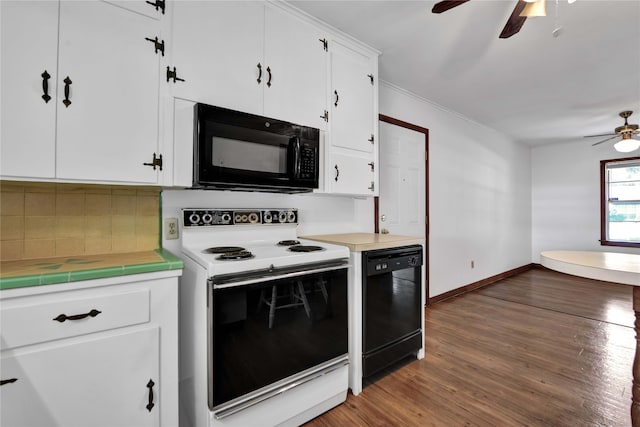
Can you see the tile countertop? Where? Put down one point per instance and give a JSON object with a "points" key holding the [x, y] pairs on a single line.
{"points": [[359, 242], [49, 271]]}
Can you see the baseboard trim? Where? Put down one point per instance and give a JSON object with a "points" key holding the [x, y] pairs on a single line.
{"points": [[481, 283]]}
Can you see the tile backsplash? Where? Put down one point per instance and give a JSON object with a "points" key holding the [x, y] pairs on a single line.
{"points": [[41, 220]]}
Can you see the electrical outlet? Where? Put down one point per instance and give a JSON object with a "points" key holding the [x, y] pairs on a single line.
{"points": [[473, 264], [171, 228]]}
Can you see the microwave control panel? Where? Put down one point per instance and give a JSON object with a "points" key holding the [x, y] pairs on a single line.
{"points": [[212, 217]]}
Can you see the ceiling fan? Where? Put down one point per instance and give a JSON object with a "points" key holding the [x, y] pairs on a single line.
{"points": [[523, 10], [626, 131]]}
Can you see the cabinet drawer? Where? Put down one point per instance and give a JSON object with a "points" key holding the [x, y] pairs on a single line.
{"points": [[30, 320]]}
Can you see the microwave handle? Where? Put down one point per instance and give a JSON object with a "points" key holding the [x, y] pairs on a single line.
{"points": [[294, 146]]}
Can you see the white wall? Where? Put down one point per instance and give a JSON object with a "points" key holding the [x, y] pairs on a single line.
{"points": [[479, 194], [566, 196]]}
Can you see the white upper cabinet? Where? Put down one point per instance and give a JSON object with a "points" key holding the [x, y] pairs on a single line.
{"points": [[110, 129], [250, 57], [353, 85], [217, 48], [352, 150], [29, 73], [296, 58], [101, 124]]}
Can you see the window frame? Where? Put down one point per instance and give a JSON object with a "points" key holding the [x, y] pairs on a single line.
{"points": [[603, 205]]}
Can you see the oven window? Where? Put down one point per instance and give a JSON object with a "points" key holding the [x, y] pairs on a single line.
{"points": [[266, 332]]}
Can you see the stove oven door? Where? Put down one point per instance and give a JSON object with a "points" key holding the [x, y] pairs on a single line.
{"points": [[269, 334]]}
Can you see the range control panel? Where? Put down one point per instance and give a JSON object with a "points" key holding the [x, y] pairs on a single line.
{"points": [[211, 217]]}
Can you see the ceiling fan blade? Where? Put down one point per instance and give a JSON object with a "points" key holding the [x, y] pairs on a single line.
{"points": [[515, 21], [604, 134], [604, 140], [443, 6]]}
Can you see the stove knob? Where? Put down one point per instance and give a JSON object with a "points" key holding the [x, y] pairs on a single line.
{"points": [[237, 218], [207, 218], [282, 216], [244, 218], [253, 217], [194, 218], [267, 217], [226, 218], [291, 216]]}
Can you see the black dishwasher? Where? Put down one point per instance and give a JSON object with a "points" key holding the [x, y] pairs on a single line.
{"points": [[391, 306]]}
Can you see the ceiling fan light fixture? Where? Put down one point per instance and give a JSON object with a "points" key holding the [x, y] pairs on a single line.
{"points": [[627, 144], [535, 8]]}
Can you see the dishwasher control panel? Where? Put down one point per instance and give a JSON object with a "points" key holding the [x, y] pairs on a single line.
{"points": [[394, 259]]}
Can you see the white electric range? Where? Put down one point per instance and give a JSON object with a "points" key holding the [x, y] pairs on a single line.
{"points": [[263, 320]]}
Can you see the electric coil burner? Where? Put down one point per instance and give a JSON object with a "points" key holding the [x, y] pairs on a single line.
{"points": [[305, 248], [288, 242], [249, 286], [234, 256], [224, 249]]}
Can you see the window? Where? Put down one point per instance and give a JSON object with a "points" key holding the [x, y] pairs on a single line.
{"points": [[620, 202]]}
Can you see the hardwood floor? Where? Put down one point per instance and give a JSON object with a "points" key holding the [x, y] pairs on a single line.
{"points": [[538, 349]]}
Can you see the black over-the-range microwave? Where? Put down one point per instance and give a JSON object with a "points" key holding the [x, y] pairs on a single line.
{"points": [[240, 151]]}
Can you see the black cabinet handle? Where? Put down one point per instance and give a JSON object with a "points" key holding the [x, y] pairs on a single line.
{"points": [[337, 173], [63, 317], [45, 86], [150, 405], [67, 83], [259, 73], [9, 381], [269, 81], [337, 98]]}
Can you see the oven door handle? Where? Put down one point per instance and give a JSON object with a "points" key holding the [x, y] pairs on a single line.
{"points": [[281, 387], [240, 279]]}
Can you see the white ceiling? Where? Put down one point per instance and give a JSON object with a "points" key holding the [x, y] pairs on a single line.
{"points": [[535, 87]]}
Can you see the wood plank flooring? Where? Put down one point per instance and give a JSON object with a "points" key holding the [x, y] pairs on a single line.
{"points": [[538, 349]]}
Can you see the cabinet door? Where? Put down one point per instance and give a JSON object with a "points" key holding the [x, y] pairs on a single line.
{"points": [[351, 174], [295, 55], [353, 118], [29, 49], [81, 384], [218, 48], [110, 128]]}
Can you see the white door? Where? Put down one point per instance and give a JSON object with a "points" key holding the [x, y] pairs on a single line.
{"points": [[29, 55], [352, 120], [218, 48], [296, 85], [111, 126], [402, 208], [101, 381]]}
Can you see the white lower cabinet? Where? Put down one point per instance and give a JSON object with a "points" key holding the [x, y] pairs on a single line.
{"points": [[94, 353], [106, 381]]}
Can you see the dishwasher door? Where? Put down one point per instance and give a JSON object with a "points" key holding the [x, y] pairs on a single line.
{"points": [[391, 306]]}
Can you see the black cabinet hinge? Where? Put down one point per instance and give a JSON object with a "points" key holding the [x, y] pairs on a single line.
{"points": [[158, 45], [156, 162], [173, 74], [325, 44], [158, 4], [370, 77]]}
